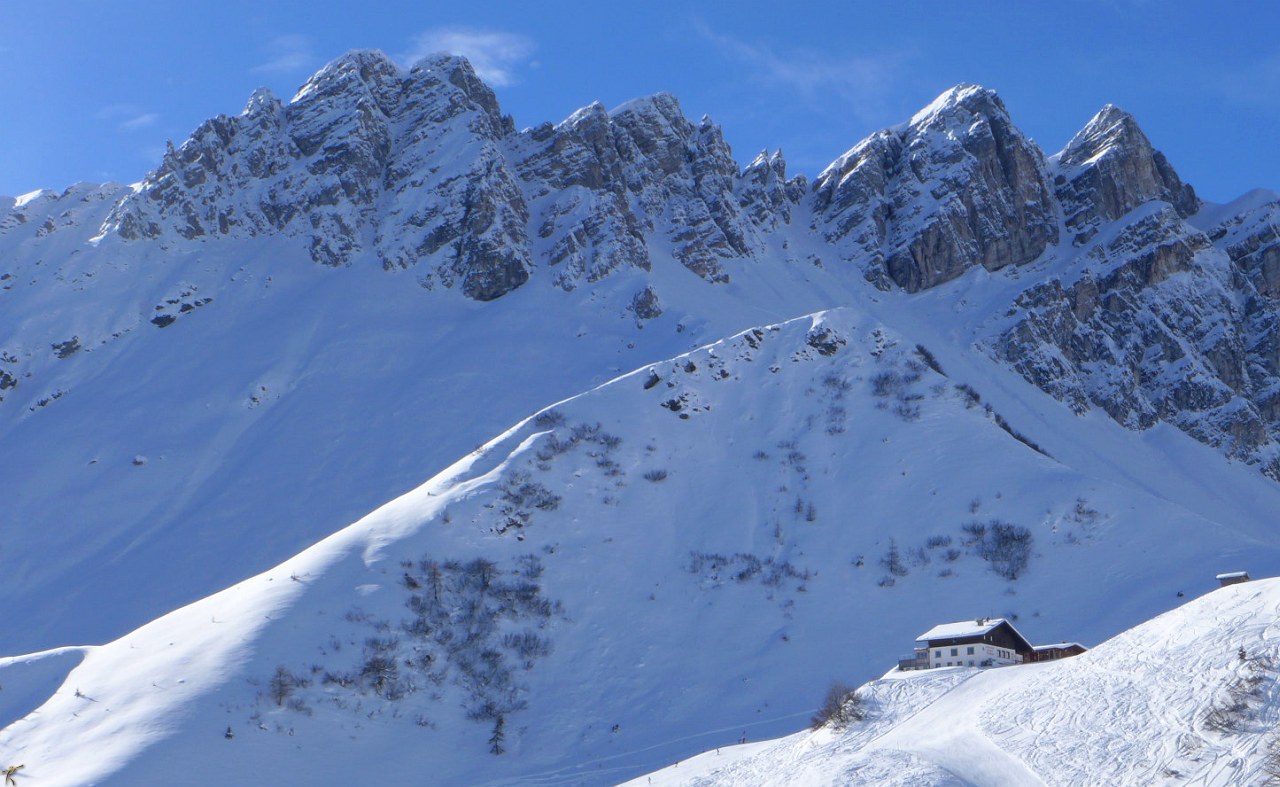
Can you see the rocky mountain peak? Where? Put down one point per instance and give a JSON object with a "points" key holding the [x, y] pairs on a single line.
{"points": [[603, 183], [262, 102], [660, 108], [456, 70], [341, 166], [657, 128], [766, 193], [1109, 168], [957, 186], [1111, 129], [958, 104], [357, 74]]}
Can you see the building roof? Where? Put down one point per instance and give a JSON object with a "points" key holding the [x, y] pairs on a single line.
{"points": [[1058, 645], [1233, 575], [965, 628]]}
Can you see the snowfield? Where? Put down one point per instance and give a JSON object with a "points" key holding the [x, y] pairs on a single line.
{"points": [[742, 509], [1191, 697]]}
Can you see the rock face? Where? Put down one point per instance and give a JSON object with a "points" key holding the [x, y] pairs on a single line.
{"points": [[366, 159], [766, 194], [1151, 331], [1153, 320], [1139, 303], [1110, 168], [958, 186], [603, 185], [1157, 320], [420, 170]]}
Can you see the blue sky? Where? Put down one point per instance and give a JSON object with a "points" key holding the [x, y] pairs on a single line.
{"points": [[92, 90]]}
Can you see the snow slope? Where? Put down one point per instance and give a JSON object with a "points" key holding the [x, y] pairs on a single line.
{"points": [[1191, 697], [188, 398], [737, 507]]}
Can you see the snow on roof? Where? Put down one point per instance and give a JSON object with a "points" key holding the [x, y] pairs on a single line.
{"points": [[965, 628], [1233, 575], [1057, 645]]}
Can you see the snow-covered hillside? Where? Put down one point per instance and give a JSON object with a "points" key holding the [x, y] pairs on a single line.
{"points": [[798, 424], [688, 552], [1191, 697]]}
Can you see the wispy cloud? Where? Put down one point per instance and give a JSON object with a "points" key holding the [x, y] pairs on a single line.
{"points": [[494, 54], [141, 121], [115, 111], [287, 54], [126, 117], [864, 83]]}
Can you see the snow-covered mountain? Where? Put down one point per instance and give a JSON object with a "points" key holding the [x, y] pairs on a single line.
{"points": [[617, 580], [1191, 697], [793, 420]]}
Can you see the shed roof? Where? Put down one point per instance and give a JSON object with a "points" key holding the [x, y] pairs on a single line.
{"points": [[1057, 645], [1233, 575]]}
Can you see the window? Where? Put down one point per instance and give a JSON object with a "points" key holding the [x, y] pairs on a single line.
{"points": [[970, 653], [937, 654], [955, 651]]}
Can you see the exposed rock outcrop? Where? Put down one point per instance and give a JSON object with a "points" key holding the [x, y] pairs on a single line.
{"points": [[607, 184], [366, 159], [958, 186], [1108, 169], [1155, 311]]}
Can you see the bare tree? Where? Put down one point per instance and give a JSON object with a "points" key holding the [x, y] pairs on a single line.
{"points": [[841, 707]]}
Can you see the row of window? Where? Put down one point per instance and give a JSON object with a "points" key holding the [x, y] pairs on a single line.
{"points": [[1004, 654]]}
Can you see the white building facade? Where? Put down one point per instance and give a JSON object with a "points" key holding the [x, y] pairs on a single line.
{"points": [[985, 642], [977, 654]]}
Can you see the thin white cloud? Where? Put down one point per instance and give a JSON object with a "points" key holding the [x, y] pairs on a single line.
{"points": [[287, 54], [863, 83], [126, 117], [115, 111], [494, 54], [140, 121]]}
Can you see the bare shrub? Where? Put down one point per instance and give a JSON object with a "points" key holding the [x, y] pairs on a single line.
{"points": [[840, 708], [1005, 546], [1237, 704], [282, 684], [892, 561]]}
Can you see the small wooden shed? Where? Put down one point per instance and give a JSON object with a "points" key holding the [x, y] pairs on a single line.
{"points": [[1058, 650]]}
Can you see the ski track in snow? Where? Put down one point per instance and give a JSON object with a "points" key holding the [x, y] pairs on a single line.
{"points": [[1132, 711]]}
